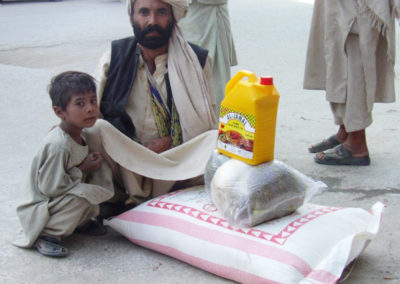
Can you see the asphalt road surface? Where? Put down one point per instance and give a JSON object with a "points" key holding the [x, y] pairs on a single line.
{"points": [[38, 39]]}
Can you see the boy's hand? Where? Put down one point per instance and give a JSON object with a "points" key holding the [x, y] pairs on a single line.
{"points": [[92, 162]]}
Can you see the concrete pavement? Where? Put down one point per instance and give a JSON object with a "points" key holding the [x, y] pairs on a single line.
{"points": [[38, 39]]}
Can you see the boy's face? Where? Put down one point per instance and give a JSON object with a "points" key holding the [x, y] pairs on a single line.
{"points": [[82, 111]]}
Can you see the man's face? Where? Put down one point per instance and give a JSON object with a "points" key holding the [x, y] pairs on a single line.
{"points": [[152, 22]]}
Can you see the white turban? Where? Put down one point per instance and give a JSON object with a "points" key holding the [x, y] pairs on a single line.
{"points": [[179, 7]]}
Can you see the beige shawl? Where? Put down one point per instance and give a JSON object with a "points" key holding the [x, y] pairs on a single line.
{"points": [[326, 59], [143, 173], [381, 14], [188, 81]]}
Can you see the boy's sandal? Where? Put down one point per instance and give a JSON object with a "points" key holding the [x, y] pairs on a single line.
{"points": [[324, 145], [50, 247], [92, 228], [340, 156]]}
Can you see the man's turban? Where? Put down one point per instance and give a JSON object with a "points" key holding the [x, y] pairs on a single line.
{"points": [[179, 7]]}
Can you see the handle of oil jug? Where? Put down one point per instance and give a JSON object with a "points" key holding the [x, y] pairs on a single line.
{"points": [[239, 76]]}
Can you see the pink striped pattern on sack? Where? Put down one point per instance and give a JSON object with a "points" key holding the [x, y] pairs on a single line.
{"points": [[323, 276], [193, 221], [215, 268], [218, 237], [279, 238], [223, 239]]}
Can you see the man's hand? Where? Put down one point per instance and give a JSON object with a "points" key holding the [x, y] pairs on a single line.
{"points": [[92, 162], [160, 145]]}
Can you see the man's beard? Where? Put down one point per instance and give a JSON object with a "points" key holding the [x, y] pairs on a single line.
{"points": [[153, 42]]}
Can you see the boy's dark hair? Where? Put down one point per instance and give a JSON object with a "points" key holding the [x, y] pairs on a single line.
{"points": [[63, 86]]}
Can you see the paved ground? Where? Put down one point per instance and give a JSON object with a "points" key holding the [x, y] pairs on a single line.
{"points": [[39, 39]]}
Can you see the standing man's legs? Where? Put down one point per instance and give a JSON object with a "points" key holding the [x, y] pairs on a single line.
{"points": [[353, 116]]}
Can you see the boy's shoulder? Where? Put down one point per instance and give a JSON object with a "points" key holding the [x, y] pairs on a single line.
{"points": [[58, 143], [56, 136], [55, 141]]}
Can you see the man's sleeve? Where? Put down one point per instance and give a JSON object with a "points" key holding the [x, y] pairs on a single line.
{"points": [[101, 74]]}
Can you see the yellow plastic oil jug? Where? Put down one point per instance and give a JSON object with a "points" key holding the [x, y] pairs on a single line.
{"points": [[247, 118]]}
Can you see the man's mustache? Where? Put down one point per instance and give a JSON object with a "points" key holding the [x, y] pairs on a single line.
{"points": [[150, 29]]}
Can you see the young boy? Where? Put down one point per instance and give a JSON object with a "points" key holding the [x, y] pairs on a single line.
{"points": [[59, 200]]}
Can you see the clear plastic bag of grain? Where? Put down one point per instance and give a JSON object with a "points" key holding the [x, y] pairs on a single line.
{"points": [[215, 161], [249, 195]]}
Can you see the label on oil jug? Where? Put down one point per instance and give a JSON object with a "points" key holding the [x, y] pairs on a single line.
{"points": [[236, 132]]}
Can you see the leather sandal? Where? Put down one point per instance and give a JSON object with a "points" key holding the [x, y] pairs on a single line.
{"points": [[340, 156], [50, 247], [324, 145]]}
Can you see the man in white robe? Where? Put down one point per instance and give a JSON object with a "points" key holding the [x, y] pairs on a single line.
{"points": [[350, 55], [155, 88]]}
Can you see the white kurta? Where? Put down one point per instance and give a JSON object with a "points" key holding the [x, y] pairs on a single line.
{"points": [[139, 102], [207, 25], [53, 178]]}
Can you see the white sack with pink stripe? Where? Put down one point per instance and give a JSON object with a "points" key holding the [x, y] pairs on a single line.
{"points": [[312, 245]]}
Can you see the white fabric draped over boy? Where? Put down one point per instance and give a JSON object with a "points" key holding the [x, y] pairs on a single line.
{"points": [[142, 172]]}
